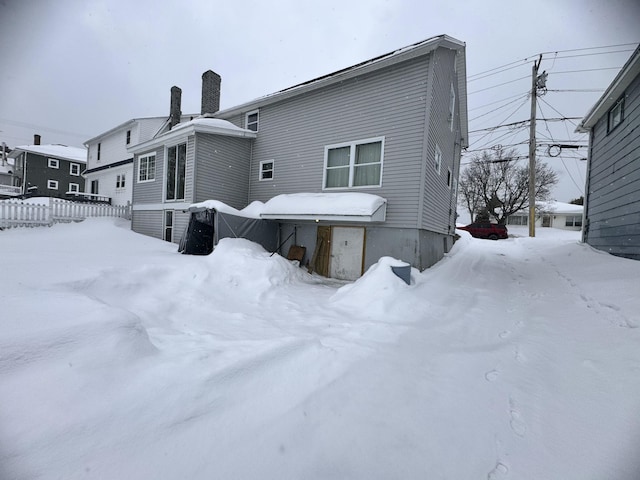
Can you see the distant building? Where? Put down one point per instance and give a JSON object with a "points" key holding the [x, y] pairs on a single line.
{"points": [[565, 216]]}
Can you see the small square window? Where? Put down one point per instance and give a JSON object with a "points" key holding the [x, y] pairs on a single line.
{"points": [[616, 115], [266, 170], [251, 120], [52, 184], [54, 163], [74, 187], [74, 169]]}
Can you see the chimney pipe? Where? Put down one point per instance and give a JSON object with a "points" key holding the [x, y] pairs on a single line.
{"points": [[36, 139], [210, 92], [174, 109]]}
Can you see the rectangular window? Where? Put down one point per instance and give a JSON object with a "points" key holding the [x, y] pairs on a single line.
{"points": [[251, 120], [120, 181], [98, 152], [266, 170], [616, 115], [128, 137], [168, 225], [94, 187], [54, 163], [147, 168], [52, 184], [449, 178], [354, 164], [573, 221], [518, 220], [176, 165], [74, 169], [452, 106], [437, 159], [74, 187]]}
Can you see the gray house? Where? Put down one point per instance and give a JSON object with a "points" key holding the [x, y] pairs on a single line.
{"points": [[612, 199], [392, 127]]}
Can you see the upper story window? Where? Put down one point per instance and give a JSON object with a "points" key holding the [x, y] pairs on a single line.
{"points": [[53, 163], [354, 164], [146, 168], [176, 172], [120, 181], [74, 169], [437, 160], [251, 120], [128, 137], [452, 106], [266, 169], [616, 115], [99, 152]]}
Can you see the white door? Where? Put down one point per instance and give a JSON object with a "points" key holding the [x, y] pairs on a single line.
{"points": [[347, 247]]}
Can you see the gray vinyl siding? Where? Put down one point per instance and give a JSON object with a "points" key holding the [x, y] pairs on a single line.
{"points": [[147, 222], [149, 192], [222, 171], [438, 209], [180, 222], [388, 103], [148, 127], [613, 198]]}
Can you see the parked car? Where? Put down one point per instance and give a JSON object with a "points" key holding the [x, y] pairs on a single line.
{"points": [[492, 231]]}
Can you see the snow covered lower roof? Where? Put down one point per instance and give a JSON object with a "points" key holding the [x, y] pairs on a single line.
{"points": [[348, 206], [58, 151]]}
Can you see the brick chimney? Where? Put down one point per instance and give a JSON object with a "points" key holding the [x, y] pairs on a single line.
{"points": [[210, 92], [36, 139], [174, 110]]}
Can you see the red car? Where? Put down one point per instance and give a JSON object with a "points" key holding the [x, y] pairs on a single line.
{"points": [[492, 231]]}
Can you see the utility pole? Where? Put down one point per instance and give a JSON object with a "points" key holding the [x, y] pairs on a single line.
{"points": [[532, 145]]}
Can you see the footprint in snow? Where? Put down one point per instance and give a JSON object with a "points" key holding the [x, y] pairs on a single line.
{"points": [[491, 375], [499, 471], [516, 422]]}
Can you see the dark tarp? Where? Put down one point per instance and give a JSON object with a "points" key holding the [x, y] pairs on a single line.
{"points": [[207, 226]]}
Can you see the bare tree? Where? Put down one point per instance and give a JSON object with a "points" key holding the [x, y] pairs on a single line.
{"points": [[498, 184]]}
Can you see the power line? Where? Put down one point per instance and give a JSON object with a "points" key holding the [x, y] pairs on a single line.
{"points": [[497, 101], [496, 109], [46, 129], [587, 70], [498, 85]]}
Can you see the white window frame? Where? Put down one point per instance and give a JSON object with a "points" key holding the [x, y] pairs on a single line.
{"points": [[437, 160], [452, 106], [120, 181], [615, 116], [256, 123], [352, 154], [53, 163], [52, 184], [184, 142], [74, 187], [74, 169], [262, 171], [146, 158]]}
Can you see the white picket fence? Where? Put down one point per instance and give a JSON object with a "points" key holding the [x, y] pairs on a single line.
{"points": [[14, 213]]}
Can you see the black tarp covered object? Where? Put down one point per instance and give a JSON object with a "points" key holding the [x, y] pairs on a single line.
{"points": [[207, 226]]}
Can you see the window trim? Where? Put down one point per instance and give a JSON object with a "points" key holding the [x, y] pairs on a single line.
{"points": [[77, 168], [437, 159], [261, 172], [146, 157], [52, 184], [166, 228], [184, 142], [74, 187], [120, 181], [257, 122], [353, 146], [53, 163], [619, 103]]}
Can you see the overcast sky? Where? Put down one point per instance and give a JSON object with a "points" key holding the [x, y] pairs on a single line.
{"points": [[74, 69]]}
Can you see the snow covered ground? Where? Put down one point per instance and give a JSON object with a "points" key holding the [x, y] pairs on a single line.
{"points": [[122, 359]]}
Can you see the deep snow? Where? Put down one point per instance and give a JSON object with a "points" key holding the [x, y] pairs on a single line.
{"points": [[120, 358]]}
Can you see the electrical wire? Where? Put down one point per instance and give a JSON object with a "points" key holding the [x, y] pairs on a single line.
{"points": [[496, 109], [499, 85], [497, 101]]}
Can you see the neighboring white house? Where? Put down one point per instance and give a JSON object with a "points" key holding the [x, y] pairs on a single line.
{"points": [[566, 216]]}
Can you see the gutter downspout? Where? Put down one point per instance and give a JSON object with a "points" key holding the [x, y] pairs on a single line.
{"points": [[587, 186]]}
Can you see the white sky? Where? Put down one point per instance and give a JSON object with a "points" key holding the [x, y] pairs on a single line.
{"points": [[73, 69]]}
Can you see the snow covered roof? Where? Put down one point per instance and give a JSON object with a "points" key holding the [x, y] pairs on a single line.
{"points": [[201, 124], [349, 206], [74, 154]]}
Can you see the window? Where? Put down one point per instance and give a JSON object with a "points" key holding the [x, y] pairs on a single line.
{"points": [[74, 187], [616, 115], [120, 181], [518, 220], [147, 168], [355, 164], [452, 106], [54, 163], [176, 164], [266, 170], [573, 221], [94, 187], [449, 178], [128, 137], [52, 184], [168, 225], [251, 120], [437, 159], [98, 152], [74, 169]]}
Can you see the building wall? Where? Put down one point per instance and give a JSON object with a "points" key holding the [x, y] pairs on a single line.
{"points": [[388, 103], [108, 185], [613, 188], [38, 173]]}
